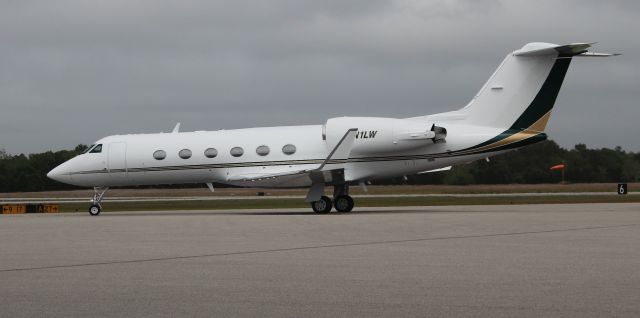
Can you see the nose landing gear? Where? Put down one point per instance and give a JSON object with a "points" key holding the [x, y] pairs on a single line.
{"points": [[98, 194]]}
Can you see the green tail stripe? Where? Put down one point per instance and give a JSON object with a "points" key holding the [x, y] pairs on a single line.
{"points": [[546, 97], [541, 104]]}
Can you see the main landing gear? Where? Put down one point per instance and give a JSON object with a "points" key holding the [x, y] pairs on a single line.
{"points": [[322, 206], [98, 194], [342, 201]]}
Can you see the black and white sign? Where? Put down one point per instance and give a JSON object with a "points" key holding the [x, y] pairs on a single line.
{"points": [[622, 188]]}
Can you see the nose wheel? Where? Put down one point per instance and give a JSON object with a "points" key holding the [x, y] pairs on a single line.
{"points": [[98, 194], [94, 209]]}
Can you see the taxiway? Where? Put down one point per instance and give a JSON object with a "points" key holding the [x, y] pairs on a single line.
{"points": [[578, 260]]}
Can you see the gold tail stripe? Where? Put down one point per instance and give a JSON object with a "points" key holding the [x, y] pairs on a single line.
{"points": [[535, 129]]}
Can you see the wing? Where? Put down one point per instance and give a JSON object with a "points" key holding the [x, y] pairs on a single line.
{"points": [[436, 170], [265, 176], [297, 176]]}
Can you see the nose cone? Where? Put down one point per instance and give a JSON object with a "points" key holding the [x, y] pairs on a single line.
{"points": [[60, 173]]}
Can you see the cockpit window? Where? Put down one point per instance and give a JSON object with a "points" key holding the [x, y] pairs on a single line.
{"points": [[96, 149], [88, 149]]}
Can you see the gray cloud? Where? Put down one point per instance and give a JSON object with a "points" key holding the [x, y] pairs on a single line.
{"points": [[74, 71]]}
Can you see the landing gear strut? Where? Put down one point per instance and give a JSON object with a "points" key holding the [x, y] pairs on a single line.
{"points": [[342, 201], [98, 194], [341, 198]]}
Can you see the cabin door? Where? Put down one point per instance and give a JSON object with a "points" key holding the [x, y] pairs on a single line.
{"points": [[117, 159]]}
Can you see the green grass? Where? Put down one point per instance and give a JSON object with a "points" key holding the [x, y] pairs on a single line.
{"points": [[259, 203]]}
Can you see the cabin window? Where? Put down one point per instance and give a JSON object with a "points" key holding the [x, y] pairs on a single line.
{"points": [[237, 151], [184, 154], [159, 154], [289, 149], [211, 153], [96, 149], [262, 150]]}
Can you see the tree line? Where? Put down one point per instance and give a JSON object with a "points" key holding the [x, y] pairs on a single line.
{"points": [[528, 165], [531, 165]]}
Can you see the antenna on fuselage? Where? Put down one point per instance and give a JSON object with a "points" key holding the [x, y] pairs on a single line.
{"points": [[176, 129]]}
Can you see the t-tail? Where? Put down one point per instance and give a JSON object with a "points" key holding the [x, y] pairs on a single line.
{"points": [[520, 95]]}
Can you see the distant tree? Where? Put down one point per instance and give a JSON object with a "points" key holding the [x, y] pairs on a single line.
{"points": [[526, 165], [29, 173], [460, 175], [80, 148]]}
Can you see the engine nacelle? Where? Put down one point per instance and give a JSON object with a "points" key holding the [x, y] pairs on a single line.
{"points": [[378, 135]]}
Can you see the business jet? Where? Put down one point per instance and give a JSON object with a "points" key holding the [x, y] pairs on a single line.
{"points": [[510, 111]]}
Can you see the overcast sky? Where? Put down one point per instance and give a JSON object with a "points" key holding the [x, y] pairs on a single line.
{"points": [[72, 72]]}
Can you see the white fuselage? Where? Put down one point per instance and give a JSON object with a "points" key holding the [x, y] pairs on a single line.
{"points": [[384, 147], [511, 110]]}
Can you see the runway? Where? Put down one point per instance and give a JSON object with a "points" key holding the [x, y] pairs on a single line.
{"points": [[569, 260], [27, 200]]}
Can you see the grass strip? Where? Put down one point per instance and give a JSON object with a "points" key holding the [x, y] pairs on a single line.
{"points": [[260, 203]]}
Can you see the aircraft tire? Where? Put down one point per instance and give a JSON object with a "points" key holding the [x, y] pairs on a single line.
{"points": [[94, 209], [344, 203], [322, 206]]}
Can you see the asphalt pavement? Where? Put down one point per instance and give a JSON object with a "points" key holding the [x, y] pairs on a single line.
{"points": [[568, 260]]}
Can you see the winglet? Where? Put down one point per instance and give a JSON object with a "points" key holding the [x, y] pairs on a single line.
{"points": [[176, 129], [343, 148]]}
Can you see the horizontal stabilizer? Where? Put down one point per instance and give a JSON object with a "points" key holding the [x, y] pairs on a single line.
{"points": [[539, 49], [573, 49], [596, 54]]}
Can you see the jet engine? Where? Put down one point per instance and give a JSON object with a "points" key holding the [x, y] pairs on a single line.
{"points": [[378, 135]]}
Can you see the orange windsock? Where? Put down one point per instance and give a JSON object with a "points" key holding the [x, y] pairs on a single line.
{"points": [[558, 167]]}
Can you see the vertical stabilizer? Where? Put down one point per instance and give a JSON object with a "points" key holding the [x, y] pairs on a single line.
{"points": [[522, 91]]}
